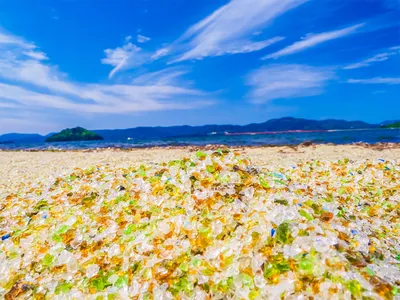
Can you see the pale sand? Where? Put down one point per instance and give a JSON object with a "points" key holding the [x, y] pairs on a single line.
{"points": [[30, 167]]}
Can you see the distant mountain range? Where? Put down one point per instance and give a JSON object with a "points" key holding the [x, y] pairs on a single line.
{"points": [[282, 124], [21, 138]]}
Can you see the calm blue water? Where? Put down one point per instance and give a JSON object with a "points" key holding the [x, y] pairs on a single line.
{"points": [[337, 137]]}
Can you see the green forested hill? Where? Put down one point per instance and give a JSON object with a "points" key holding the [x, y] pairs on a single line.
{"points": [[74, 134]]}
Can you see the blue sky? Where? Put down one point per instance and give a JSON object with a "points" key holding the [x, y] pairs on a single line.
{"points": [[120, 64]]}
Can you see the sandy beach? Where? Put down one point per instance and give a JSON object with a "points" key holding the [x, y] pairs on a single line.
{"points": [[24, 166]]}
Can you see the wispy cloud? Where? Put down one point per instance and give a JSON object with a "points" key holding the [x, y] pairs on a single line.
{"points": [[379, 92], [11, 44], [376, 58], [251, 47], [11, 40], [35, 73], [27, 82], [29, 98], [376, 80], [229, 29], [36, 55], [168, 76], [286, 81], [232, 29], [312, 40], [160, 53], [142, 38]]}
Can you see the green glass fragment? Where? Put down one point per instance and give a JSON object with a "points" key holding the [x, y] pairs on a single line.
{"points": [[306, 265], [306, 215], [210, 169], [282, 201], [63, 287], [247, 280], [48, 260], [196, 262], [283, 267], [395, 291], [121, 281], [200, 154], [254, 294], [100, 283], [354, 287], [57, 238], [269, 271], [63, 229], [184, 267], [264, 183], [370, 271], [283, 232]]}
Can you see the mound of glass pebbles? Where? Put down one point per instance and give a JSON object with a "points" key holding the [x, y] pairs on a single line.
{"points": [[211, 226]]}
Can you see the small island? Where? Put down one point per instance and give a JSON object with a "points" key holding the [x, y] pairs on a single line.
{"points": [[394, 125], [74, 134]]}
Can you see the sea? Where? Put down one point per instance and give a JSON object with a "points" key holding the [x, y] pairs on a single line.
{"points": [[339, 137]]}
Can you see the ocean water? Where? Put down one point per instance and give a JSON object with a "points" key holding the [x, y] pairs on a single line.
{"points": [[371, 136]]}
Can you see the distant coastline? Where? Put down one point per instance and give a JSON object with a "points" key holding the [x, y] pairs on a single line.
{"points": [[273, 126], [302, 131], [285, 131], [273, 132]]}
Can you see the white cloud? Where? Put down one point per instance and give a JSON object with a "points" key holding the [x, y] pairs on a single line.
{"points": [[50, 80], [377, 58], [369, 61], [160, 53], [286, 81], [227, 30], [121, 57], [312, 40], [168, 76], [126, 98], [115, 56], [11, 40], [27, 82], [10, 45], [129, 56], [231, 29], [31, 98], [251, 47], [142, 38], [36, 73], [36, 55], [376, 80]]}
